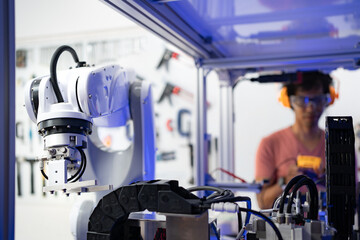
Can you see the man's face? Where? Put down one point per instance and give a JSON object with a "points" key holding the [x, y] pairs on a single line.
{"points": [[308, 105]]}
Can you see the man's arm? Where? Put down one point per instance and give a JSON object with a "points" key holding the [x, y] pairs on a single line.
{"points": [[271, 191], [267, 195], [265, 170]]}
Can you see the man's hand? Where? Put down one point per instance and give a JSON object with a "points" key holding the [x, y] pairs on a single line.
{"points": [[293, 172]]}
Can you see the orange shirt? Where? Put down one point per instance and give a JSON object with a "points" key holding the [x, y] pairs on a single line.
{"points": [[278, 151]]}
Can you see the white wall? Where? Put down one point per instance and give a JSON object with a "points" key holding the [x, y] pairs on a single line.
{"points": [[42, 18]]}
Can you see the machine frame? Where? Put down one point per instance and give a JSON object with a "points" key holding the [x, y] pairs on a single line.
{"points": [[7, 112], [165, 18]]}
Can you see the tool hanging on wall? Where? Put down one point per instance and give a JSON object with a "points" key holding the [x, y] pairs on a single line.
{"points": [[18, 177], [166, 57], [171, 55], [181, 114], [169, 126], [191, 152], [19, 134], [19, 130], [31, 161], [171, 89], [21, 58]]}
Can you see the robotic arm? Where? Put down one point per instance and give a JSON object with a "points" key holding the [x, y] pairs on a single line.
{"points": [[67, 106]]}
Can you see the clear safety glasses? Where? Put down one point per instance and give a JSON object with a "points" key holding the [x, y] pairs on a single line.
{"points": [[304, 101]]}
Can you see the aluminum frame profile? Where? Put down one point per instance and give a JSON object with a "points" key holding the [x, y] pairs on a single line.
{"points": [[327, 61], [161, 20], [226, 157], [235, 186], [7, 120], [201, 151]]}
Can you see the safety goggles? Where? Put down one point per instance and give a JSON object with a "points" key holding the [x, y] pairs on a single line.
{"points": [[304, 101]]}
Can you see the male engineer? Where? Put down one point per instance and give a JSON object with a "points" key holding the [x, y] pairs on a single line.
{"points": [[300, 147]]}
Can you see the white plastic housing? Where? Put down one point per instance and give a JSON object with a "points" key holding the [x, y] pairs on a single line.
{"points": [[104, 96], [98, 94]]}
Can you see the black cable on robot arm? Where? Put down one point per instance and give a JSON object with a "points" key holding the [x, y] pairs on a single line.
{"points": [[44, 174], [292, 182], [83, 160], [53, 64], [265, 218], [314, 200], [80, 171]]}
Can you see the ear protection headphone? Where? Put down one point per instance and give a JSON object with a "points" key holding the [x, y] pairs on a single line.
{"points": [[285, 100]]}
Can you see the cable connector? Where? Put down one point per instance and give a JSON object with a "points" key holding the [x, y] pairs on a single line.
{"points": [[81, 64], [41, 165], [305, 207], [225, 207], [288, 218], [280, 217], [298, 203], [239, 236]]}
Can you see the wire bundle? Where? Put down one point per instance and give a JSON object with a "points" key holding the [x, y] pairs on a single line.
{"points": [[294, 185], [218, 200]]}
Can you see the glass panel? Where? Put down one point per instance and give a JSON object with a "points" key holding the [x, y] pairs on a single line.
{"points": [[260, 27]]}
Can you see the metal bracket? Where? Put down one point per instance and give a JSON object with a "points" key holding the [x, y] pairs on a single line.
{"points": [[77, 187]]}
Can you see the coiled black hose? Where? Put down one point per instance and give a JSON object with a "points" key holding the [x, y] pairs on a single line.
{"points": [[314, 198], [53, 64], [288, 187]]}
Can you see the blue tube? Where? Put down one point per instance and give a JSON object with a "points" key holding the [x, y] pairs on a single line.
{"points": [[248, 214]]}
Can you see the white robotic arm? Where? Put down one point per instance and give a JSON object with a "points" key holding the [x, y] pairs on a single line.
{"points": [[65, 107]]}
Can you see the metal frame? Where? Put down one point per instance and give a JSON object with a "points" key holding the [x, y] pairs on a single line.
{"points": [[226, 157], [165, 22], [7, 120], [201, 153], [331, 61]]}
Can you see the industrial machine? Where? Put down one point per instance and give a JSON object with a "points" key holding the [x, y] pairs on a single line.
{"points": [[68, 108], [71, 106], [290, 218]]}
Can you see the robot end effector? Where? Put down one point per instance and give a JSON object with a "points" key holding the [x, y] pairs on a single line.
{"points": [[65, 107]]}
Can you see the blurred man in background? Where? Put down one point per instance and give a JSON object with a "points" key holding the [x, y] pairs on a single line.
{"points": [[299, 148]]}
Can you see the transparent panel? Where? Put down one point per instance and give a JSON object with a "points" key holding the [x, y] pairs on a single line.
{"points": [[259, 27]]}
